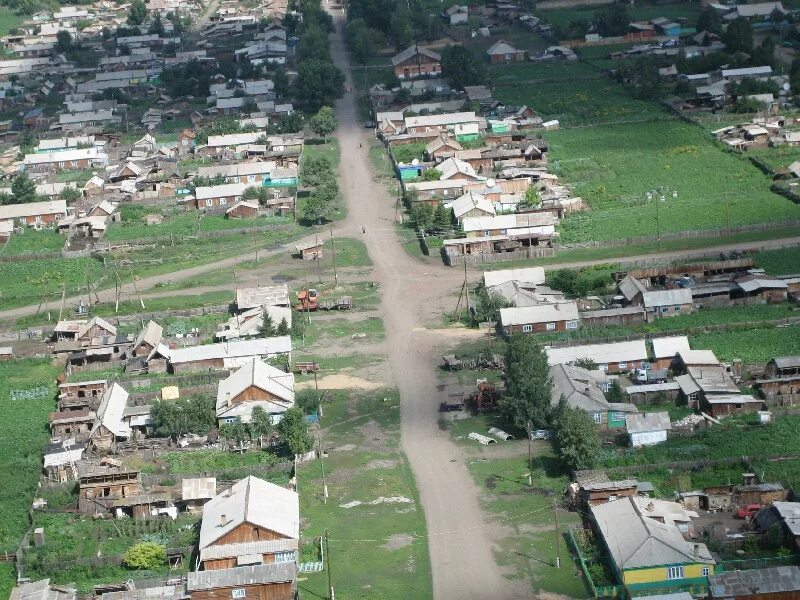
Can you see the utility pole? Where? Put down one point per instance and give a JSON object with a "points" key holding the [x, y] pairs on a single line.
{"points": [[530, 450], [331, 595], [558, 541], [466, 286], [322, 462], [333, 250]]}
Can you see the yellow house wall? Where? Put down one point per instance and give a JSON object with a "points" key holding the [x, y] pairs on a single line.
{"points": [[658, 574]]}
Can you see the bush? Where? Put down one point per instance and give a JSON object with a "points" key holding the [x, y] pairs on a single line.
{"points": [[145, 556]]}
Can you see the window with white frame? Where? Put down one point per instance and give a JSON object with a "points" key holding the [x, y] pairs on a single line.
{"points": [[208, 202], [705, 571], [527, 328], [622, 365], [572, 324], [597, 418], [551, 326], [283, 557], [677, 309], [238, 593], [617, 416], [675, 572], [223, 201]]}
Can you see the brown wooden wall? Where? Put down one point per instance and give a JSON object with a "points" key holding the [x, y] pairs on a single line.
{"points": [[252, 394], [275, 591], [247, 533]]}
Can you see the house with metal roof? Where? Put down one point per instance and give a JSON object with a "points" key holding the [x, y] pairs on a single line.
{"points": [[109, 426], [667, 303], [224, 355], [666, 350], [558, 316], [503, 52], [648, 553], [647, 429], [276, 581], [417, 61], [614, 358], [752, 584], [580, 388], [255, 384], [251, 523]]}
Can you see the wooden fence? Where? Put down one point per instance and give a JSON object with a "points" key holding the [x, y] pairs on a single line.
{"points": [[479, 259]]}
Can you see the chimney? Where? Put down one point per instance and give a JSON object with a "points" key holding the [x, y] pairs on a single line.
{"points": [[223, 520], [557, 307], [696, 551]]}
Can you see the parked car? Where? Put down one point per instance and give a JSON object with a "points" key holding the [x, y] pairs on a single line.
{"points": [[748, 511], [542, 434]]}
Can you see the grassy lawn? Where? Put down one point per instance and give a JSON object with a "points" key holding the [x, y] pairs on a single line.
{"points": [[528, 551], [323, 331], [350, 252], [612, 167], [9, 21], [33, 242], [733, 315], [751, 345], [27, 396], [778, 157], [785, 261], [563, 17], [207, 461], [377, 549], [331, 365]]}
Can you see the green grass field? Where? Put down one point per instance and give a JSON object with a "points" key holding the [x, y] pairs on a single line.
{"points": [[751, 345], [33, 242], [776, 158], [377, 550], [612, 168], [563, 17], [785, 261], [9, 20], [27, 396]]}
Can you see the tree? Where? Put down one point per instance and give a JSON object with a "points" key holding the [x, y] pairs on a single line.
{"points": [[294, 431], [461, 67], [739, 36], [709, 20], [156, 26], [527, 398], [422, 216], [321, 204], [267, 328], [281, 81], [175, 419], [615, 394], [363, 41], [431, 175], [70, 194], [308, 401], [235, 432], [532, 197], [323, 122], [63, 41], [145, 556], [318, 83], [586, 363], [314, 170], [577, 441], [794, 76], [442, 219], [400, 30], [313, 45], [137, 13], [613, 20], [283, 328], [486, 307], [291, 123], [260, 425], [23, 189]]}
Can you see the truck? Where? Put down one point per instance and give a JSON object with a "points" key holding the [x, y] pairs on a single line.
{"points": [[642, 376]]}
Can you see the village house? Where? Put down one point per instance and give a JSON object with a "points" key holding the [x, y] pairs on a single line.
{"points": [[84, 158], [88, 120], [646, 552], [768, 583], [273, 581], [109, 426], [148, 340], [269, 295], [441, 148], [764, 287], [667, 349], [665, 303], [632, 290], [417, 61], [214, 196], [786, 514], [42, 590], [219, 145], [444, 123], [591, 488], [526, 227], [503, 52], [647, 429], [253, 523], [540, 318], [255, 384], [100, 484], [457, 14], [81, 395], [616, 357], [711, 388], [61, 459], [244, 172], [248, 324], [580, 389], [471, 204], [780, 385], [226, 355], [33, 214], [244, 209], [73, 423]]}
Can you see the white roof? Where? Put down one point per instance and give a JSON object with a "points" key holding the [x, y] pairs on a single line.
{"points": [[238, 169], [238, 349], [541, 313], [64, 155], [509, 222], [222, 191], [667, 297], [698, 357], [747, 71], [443, 120], [234, 139], [83, 117], [646, 422], [670, 346], [501, 47], [112, 407], [471, 201], [31, 209], [257, 373], [602, 354], [199, 488], [255, 502], [532, 275]]}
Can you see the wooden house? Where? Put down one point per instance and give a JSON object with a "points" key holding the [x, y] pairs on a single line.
{"points": [[540, 318], [262, 582], [441, 148], [781, 384], [764, 287], [227, 355], [109, 426], [647, 429], [783, 366], [617, 357], [722, 405], [254, 522], [34, 214], [186, 141], [667, 349], [667, 303], [626, 315], [255, 384], [196, 492], [594, 489], [101, 483], [244, 209], [148, 340], [471, 204], [417, 61], [61, 460], [72, 423], [81, 395], [214, 196], [95, 327], [503, 52]]}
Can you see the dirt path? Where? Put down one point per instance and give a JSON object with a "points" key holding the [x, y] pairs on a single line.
{"points": [[460, 541]]}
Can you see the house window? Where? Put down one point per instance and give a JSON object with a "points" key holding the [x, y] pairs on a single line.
{"points": [[223, 201], [572, 324], [251, 178], [229, 420], [677, 309], [527, 328], [617, 416], [622, 365], [602, 367], [238, 593], [597, 418], [675, 573], [550, 327], [208, 202], [284, 557], [705, 571]]}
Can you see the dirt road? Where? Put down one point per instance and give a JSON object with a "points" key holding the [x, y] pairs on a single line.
{"points": [[460, 541]]}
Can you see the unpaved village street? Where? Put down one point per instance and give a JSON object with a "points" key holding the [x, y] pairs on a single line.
{"points": [[460, 540]]}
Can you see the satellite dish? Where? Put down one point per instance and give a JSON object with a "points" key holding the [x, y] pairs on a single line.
{"points": [[415, 162], [786, 87], [490, 182]]}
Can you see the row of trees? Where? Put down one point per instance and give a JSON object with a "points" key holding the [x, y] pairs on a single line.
{"points": [[23, 191], [527, 404], [319, 82], [317, 172]]}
